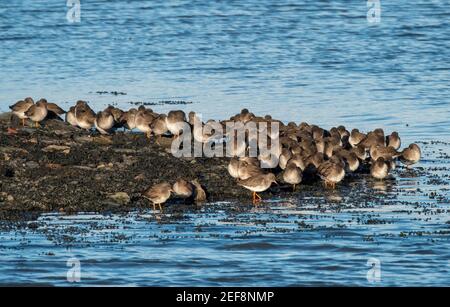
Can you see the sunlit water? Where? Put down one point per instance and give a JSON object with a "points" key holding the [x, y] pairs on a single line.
{"points": [[319, 62]]}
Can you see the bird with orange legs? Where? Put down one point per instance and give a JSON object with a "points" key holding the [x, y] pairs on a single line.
{"points": [[37, 112], [158, 194], [258, 183], [21, 107]]}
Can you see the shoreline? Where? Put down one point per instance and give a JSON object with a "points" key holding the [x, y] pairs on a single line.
{"points": [[59, 168]]}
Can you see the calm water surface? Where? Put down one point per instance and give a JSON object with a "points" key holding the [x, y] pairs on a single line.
{"points": [[311, 61]]}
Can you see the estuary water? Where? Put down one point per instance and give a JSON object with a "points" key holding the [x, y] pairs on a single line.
{"points": [[316, 61]]}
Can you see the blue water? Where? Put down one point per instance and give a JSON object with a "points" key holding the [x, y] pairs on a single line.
{"points": [[314, 61], [317, 61]]}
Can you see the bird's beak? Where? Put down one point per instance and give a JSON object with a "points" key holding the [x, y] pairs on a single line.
{"points": [[275, 182]]}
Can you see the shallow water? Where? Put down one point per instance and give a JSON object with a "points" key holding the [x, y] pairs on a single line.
{"points": [[318, 62]]}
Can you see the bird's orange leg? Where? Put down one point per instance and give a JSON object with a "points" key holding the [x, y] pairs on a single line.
{"points": [[293, 188], [258, 198], [148, 135], [329, 185], [23, 122]]}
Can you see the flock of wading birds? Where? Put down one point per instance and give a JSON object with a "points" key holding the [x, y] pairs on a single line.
{"points": [[304, 149]]}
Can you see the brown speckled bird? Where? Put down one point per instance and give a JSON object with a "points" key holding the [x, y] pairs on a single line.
{"points": [[85, 115], [393, 140], [292, 175], [20, 107], [128, 119], [200, 194], [380, 168], [388, 153], [37, 112], [183, 188], [247, 170], [245, 116], [104, 121], [233, 167], [159, 126], [144, 119], [258, 183], [116, 114], [332, 171], [360, 152], [158, 194], [297, 159], [71, 118], [314, 160], [285, 156], [410, 155], [176, 122], [374, 138], [350, 158]]}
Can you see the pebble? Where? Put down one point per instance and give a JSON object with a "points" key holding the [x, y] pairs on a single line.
{"points": [[56, 148], [121, 198], [32, 164], [6, 197]]}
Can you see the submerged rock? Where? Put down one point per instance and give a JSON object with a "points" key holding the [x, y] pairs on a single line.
{"points": [[121, 198]]}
